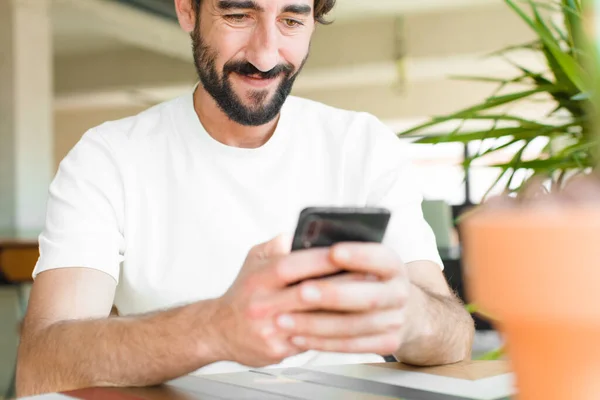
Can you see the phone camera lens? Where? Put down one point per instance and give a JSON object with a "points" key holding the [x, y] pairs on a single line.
{"points": [[313, 229]]}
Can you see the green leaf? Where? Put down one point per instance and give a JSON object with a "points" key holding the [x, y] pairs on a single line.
{"points": [[516, 132], [560, 33], [485, 79], [573, 22], [561, 77], [516, 162], [496, 101], [574, 5], [563, 95], [537, 78], [490, 103], [509, 118], [564, 81], [578, 147], [550, 164], [567, 63], [555, 7], [495, 183], [512, 177], [578, 108], [499, 89], [560, 94], [475, 309], [494, 149], [492, 355], [534, 46], [471, 308], [506, 168]]}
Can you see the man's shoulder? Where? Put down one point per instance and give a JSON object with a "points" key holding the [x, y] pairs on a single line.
{"points": [[145, 122], [121, 138]]}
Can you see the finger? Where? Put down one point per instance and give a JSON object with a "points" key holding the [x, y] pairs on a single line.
{"points": [[372, 258], [278, 246], [301, 265], [276, 345], [383, 344], [339, 296], [295, 298], [354, 296], [332, 325], [278, 272], [351, 277]]}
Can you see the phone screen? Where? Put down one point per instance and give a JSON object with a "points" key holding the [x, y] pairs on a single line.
{"points": [[324, 227]]}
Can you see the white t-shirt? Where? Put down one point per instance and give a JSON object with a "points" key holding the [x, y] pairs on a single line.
{"points": [[170, 213]]}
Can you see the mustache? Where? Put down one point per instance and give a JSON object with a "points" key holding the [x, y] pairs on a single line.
{"points": [[247, 69]]}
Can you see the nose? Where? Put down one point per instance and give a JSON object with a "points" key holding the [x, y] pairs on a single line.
{"points": [[263, 48]]}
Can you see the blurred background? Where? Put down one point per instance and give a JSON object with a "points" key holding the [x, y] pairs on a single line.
{"points": [[69, 65]]}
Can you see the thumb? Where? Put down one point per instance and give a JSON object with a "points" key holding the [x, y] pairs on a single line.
{"points": [[278, 246]]}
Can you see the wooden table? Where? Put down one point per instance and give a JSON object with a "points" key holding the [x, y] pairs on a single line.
{"points": [[357, 382], [17, 259]]}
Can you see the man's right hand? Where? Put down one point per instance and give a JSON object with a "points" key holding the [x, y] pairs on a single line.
{"points": [[246, 331], [360, 311]]}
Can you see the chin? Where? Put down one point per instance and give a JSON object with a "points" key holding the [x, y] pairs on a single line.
{"points": [[258, 99]]}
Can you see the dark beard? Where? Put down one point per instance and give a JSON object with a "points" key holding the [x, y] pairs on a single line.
{"points": [[220, 89]]}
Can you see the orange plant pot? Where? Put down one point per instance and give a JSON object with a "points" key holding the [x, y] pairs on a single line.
{"points": [[537, 272]]}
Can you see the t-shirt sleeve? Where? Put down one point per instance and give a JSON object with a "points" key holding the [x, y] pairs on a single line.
{"points": [[394, 185], [85, 211]]}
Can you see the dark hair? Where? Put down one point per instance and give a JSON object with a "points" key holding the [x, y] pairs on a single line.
{"points": [[322, 8]]}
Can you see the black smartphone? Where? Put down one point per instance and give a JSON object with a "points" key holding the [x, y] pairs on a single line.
{"points": [[326, 226]]}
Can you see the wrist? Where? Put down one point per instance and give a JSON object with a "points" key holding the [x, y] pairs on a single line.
{"points": [[209, 338], [417, 325]]}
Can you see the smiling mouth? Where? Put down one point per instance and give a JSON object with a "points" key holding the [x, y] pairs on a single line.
{"points": [[256, 80]]}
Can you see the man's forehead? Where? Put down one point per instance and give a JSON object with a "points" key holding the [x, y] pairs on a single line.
{"points": [[261, 4]]}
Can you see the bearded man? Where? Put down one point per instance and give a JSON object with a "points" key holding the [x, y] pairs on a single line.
{"points": [[180, 218]]}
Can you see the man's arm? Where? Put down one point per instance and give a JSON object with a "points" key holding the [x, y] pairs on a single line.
{"points": [[68, 341], [438, 329]]}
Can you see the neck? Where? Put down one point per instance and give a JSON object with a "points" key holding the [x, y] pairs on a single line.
{"points": [[224, 130]]}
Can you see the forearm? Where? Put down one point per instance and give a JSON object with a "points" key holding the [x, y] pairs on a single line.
{"points": [[122, 351], [438, 331]]}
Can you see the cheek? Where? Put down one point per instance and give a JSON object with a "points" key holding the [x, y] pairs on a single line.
{"points": [[227, 43], [231, 43], [294, 50]]}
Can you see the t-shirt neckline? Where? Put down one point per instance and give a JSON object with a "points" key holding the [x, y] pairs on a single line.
{"points": [[194, 126]]}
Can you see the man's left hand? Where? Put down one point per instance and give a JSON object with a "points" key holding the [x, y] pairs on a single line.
{"points": [[360, 311]]}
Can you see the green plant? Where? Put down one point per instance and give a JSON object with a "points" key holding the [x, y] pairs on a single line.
{"points": [[568, 130], [564, 85]]}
